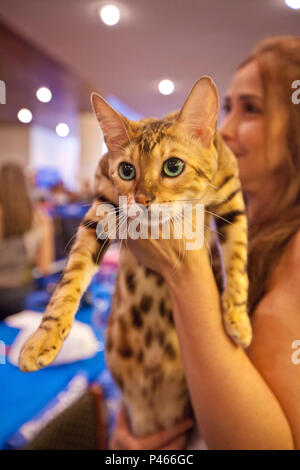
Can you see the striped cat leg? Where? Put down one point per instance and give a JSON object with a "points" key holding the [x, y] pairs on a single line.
{"points": [[231, 221], [84, 259]]}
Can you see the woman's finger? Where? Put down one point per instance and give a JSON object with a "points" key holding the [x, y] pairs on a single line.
{"points": [[177, 444], [124, 439], [120, 441]]}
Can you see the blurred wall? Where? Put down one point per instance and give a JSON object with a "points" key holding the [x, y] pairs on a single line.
{"points": [[91, 146], [75, 157], [15, 141], [48, 150]]}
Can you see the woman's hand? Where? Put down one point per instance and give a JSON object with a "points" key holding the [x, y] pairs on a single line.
{"points": [[167, 257], [171, 439]]}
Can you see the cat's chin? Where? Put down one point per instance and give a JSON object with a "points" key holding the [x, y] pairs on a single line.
{"points": [[147, 218], [146, 224]]}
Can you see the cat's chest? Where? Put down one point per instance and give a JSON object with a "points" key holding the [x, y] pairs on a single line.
{"points": [[141, 316], [139, 286]]}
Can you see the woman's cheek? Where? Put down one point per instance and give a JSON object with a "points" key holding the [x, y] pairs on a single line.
{"points": [[252, 162], [252, 137]]}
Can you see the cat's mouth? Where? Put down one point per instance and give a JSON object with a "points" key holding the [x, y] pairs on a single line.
{"points": [[154, 215]]}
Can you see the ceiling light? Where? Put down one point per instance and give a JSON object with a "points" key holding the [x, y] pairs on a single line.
{"points": [[166, 87], [62, 129], [24, 115], [44, 94], [110, 15], [295, 4]]}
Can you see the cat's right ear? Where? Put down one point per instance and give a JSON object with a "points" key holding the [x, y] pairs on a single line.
{"points": [[115, 127]]}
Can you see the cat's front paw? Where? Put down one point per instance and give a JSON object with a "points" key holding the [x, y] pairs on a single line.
{"points": [[40, 349], [237, 323]]}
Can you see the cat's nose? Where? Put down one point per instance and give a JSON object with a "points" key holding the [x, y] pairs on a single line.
{"points": [[145, 199]]}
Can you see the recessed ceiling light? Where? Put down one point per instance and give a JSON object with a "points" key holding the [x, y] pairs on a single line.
{"points": [[110, 15], [24, 115], [166, 87], [62, 129], [295, 4], [44, 94]]}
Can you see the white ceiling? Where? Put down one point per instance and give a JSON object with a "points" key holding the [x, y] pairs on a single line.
{"points": [[155, 39]]}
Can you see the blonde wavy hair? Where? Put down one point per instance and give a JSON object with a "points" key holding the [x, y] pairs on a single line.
{"points": [[278, 59]]}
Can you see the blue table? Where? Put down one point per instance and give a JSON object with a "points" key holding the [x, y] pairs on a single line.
{"points": [[27, 398]]}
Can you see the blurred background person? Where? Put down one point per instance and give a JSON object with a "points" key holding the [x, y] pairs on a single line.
{"points": [[26, 240], [59, 194]]}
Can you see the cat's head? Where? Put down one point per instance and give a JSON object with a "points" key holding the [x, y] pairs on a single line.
{"points": [[163, 160]]}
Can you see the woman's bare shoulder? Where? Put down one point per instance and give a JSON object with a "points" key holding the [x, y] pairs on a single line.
{"points": [[276, 328], [276, 319]]}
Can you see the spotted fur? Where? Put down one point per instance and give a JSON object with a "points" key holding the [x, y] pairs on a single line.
{"points": [[142, 348]]}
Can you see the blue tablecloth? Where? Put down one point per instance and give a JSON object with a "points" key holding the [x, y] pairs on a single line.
{"points": [[26, 398]]}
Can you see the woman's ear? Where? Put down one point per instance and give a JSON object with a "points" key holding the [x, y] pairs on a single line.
{"points": [[199, 114], [115, 127]]}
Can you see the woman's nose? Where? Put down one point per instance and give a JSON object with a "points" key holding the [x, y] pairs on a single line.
{"points": [[229, 127]]}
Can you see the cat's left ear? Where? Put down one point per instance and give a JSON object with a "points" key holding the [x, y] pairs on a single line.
{"points": [[199, 113], [115, 127]]}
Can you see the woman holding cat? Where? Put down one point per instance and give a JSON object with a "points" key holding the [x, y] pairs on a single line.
{"points": [[244, 399]]}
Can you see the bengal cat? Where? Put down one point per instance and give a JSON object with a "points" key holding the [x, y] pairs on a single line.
{"points": [[180, 157]]}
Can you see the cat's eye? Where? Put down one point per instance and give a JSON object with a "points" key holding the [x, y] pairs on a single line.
{"points": [[173, 167], [126, 171]]}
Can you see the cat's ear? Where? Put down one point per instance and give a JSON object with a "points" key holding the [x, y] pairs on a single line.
{"points": [[115, 127], [199, 113]]}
